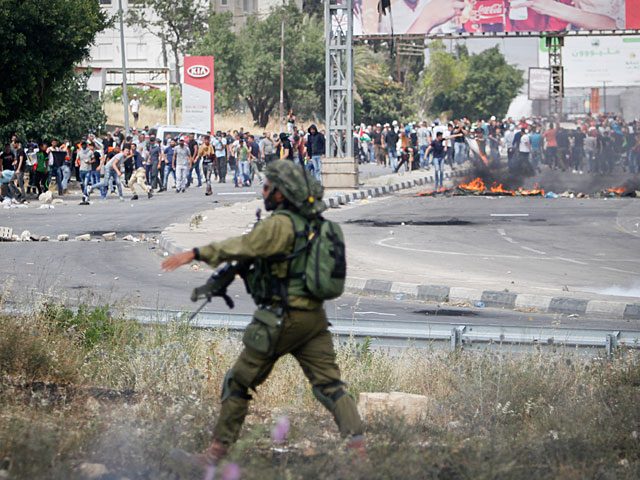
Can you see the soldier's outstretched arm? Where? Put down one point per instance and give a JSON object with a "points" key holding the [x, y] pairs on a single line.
{"points": [[272, 236]]}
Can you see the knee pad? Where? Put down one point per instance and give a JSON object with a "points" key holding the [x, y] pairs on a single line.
{"points": [[328, 400], [229, 390]]}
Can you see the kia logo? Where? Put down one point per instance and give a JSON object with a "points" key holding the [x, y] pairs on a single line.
{"points": [[198, 71]]}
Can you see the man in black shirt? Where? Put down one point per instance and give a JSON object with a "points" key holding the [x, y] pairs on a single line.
{"points": [[378, 145], [439, 147], [8, 159], [195, 166]]}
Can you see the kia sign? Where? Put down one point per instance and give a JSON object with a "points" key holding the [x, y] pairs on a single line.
{"points": [[198, 71], [494, 17], [197, 93]]}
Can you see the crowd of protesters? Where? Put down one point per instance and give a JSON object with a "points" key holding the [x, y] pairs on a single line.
{"points": [[114, 160], [597, 145]]}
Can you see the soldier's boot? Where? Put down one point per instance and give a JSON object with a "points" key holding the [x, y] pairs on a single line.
{"points": [[213, 455]]}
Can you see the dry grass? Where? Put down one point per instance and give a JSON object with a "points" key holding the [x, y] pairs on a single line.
{"points": [[490, 415], [224, 122]]}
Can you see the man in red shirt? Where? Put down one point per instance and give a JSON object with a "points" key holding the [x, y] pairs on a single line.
{"points": [[551, 151]]}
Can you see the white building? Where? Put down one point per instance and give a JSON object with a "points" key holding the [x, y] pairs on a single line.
{"points": [[144, 50]]}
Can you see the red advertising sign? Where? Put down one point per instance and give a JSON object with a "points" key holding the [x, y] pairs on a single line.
{"points": [[198, 93], [437, 17]]}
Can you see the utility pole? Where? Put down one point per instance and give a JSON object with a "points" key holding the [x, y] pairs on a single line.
{"points": [[282, 68], [125, 95], [604, 94]]}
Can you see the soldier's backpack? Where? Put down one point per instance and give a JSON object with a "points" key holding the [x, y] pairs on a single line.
{"points": [[318, 264]]}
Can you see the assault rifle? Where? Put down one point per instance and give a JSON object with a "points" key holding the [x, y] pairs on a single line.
{"points": [[218, 282]]}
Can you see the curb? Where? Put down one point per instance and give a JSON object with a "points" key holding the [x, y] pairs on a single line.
{"points": [[379, 191], [494, 299]]}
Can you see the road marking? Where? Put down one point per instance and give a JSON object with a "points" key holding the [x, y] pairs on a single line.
{"points": [[502, 232], [509, 214], [533, 250], [577, 262], [382, 243], [238, 193], [375, 313], [619, 270]]}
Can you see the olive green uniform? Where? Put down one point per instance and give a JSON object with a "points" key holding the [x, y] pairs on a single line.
{"points": [[303, 333]]}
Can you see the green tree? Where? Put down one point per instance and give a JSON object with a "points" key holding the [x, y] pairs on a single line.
{"points": [[73, 114], [42, 42], [491, 84], [177, 23], [223, 44], [377, 97], [477, 86], [259, 74], [441, 85]]}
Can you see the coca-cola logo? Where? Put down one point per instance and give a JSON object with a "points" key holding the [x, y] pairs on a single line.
{"points": [[198, 71], [483, 11]]}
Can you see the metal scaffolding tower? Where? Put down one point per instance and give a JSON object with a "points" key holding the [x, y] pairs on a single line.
{"points": [[555, 44], [339, 78]]}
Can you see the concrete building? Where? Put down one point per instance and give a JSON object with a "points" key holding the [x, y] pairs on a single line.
{"points": [[144, 50]]}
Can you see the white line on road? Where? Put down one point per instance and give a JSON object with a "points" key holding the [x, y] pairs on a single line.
{"points": [[375, 313], [382, 243], [238, 193], [534, 250], [570, 260], [509, 214], [619, 270]]}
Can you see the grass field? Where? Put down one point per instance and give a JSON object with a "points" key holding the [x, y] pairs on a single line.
{"points": [[90, 387], [223, 122]]}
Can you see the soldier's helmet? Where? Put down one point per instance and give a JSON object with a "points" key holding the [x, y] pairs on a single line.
{"points": [[297, 185]]}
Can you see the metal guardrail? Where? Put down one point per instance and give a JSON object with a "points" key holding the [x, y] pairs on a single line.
{"points": [[399, 333]]}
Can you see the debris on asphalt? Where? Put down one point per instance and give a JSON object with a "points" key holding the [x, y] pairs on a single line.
{"points": [[83, 238], [46, 197], [109, 237], [63, 237], [6, 233], [478, 304], [25, 236]]}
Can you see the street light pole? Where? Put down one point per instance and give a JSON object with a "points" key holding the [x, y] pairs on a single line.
{"points": [[282, 68], [125, 95]]}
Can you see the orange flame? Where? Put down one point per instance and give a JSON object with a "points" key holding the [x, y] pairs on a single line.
{"points": [[536, 190], [476, 184], [619, 191], [499, 189]]}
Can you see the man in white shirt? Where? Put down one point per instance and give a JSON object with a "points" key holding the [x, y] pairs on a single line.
{"points": [[134, 106]]}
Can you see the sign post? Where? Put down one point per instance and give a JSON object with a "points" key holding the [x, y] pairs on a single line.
{"points": [[198, 93]]}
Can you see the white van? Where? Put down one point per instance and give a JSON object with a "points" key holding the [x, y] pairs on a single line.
{"points": [[175, 131]]}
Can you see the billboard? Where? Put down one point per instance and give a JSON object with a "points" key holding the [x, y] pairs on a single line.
{"points": [[197, 93], [434, 17], [596, 61], [539, 83]]}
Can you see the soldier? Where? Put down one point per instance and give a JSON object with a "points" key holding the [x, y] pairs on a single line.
{"points": [[302, 326]]}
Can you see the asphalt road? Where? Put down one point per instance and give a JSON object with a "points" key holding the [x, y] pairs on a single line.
{"points": [[522, 244], [125, 273]]}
